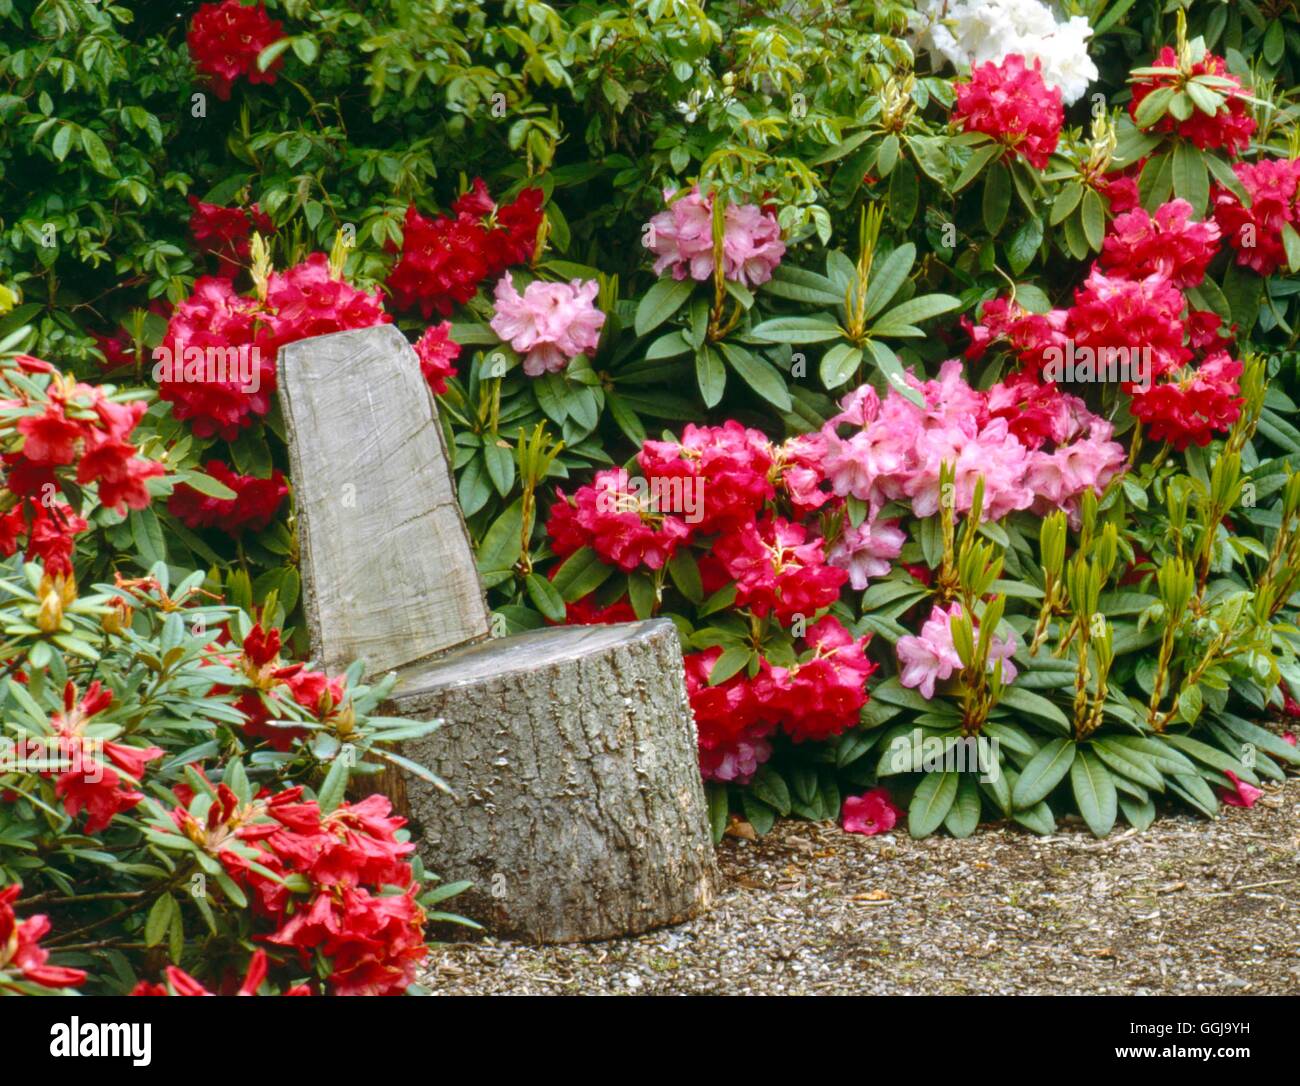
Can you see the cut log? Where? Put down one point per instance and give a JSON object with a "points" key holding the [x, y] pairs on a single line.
{"points": [[579, 813]]}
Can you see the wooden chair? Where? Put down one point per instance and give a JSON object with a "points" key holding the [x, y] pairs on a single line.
{"points": [[578, 810]]}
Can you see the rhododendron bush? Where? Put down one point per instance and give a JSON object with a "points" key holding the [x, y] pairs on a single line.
{"points": [[931, 367]]}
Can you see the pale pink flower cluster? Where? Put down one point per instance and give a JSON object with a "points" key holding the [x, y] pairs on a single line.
{"points": [[550, 323], [881, 451], [682, 239], [865, 551], [930, 657]]}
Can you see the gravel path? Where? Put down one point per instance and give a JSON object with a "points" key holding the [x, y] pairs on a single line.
{"points": [[1188, 907]]}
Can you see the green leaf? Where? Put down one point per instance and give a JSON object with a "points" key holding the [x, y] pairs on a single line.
{"points": [[914, 310], [97, 153], [159, 920], [888, 276], [1191, 181], [1153, 107], [719, 809], [1094, 792], [503, 543], [839, 364], [685, 572], [964, 815], [545, 597], [641, 593], [711, 375], [1130, 762], [333, 787], [930, 805], [1094, 219], [1045, 771], [731, 662], [500, 466], [889, 365], [1015, 697], [758, 813], [581, 574], [997, 198], [759, 374], [1291, 242], [206, 484], [1066, 201], [769, 786], [1140, 814], [1024, 244], [979, 158], [797, 330], [661, 301]]}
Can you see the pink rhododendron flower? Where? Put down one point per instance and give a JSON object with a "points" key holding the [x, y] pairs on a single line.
{"points": [[870, 813], [865, 551], [1229, 128], [1011, 103], [682, 240], [1241, 794], [1256, 231], [930, 657], [1168, 244], [550, 323]]}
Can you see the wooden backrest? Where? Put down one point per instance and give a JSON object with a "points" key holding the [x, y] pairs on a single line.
{"points": [[388, 574]]}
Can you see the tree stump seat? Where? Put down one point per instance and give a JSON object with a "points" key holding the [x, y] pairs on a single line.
{"points": [[578, 811]]}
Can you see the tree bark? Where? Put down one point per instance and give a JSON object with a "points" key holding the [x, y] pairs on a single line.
{"points": [[578, 813]]}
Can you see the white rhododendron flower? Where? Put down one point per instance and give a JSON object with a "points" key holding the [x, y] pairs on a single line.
{"points": [[970, 32]]}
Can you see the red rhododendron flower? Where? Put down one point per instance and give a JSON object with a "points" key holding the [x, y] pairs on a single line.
{"points": [[224, 232], [91, 783], [731, 736], [1111, 312], [1168, 244], [820, 696], [437, 351], [224, 42], [180, 983], [21, 956], [374, 943], [52, 536], [251, 510], [723, 469], [620, 520], [1229, 128], [1012, 104], [870, 813], [1256, 231], [1194, 404], [1028, 334], [443, 260], [778, 570]]}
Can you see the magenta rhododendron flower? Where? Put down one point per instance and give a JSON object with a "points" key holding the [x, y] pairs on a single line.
{"points": [[550, 323], [1012, 104], [1193, 404], [1242, 794], [1229, 128], [1168, 244], [731, 734], [437, 351], [870, 813], [225, 233], [682, 240], [1256, 231], [779, 569], [1110, 311], [822, 694], [618, 520], [930, 657], [728, 463]]}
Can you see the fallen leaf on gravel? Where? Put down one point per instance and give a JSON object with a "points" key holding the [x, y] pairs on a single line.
{"points": [[1171, 887], [738, 827], [871, 895]]}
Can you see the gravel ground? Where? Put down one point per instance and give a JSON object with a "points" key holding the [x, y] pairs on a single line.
{"points": [[1187, 907]]}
